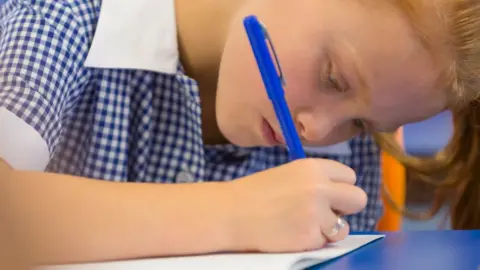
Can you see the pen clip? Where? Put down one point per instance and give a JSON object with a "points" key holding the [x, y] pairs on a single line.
{"points": [[277, 62]]}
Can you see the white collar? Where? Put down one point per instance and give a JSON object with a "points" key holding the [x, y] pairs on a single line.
{"points": [[136, 34]]}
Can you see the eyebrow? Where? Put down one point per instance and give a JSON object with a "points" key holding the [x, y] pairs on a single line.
{"points": [[360, 80], [359, 75]]}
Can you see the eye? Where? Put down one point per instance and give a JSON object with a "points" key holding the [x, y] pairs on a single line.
{"points": [[333, 78], [359, 124]]}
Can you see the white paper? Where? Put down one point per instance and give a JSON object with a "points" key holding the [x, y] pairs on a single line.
{"points": [[21, 146], [135, 34], [289, 261]]}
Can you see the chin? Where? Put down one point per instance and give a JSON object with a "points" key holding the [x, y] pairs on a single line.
{"points": [[238, 137], [240, 141], [237, 130]]}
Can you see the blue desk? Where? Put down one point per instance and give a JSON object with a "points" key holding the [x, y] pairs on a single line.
{"points": [[428, 250]]}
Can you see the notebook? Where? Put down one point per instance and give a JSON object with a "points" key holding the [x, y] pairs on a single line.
{"points": [[243, 261]]}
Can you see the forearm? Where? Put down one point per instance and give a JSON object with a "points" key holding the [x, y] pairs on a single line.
{"points": [[67, 219], [11, 254]]}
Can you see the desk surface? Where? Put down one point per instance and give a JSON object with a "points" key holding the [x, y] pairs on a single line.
{"points": [[423, 250]]}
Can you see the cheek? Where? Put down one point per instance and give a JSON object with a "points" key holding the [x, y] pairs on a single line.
{"points": [[302, 82], [403, 106], [239, 75]]}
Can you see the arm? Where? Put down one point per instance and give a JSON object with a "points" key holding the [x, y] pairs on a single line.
{"points": [[63, 219], [10, 255], [60, 218]]}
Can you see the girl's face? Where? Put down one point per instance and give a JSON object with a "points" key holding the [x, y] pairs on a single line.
{"points": [[342, 60]]}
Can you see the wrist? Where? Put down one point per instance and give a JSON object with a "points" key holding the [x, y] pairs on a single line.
{"points": [[207, 211], [238, 224], [219, 211]]}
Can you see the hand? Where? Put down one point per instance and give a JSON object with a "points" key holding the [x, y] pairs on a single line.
{"points": [[294, 207]]}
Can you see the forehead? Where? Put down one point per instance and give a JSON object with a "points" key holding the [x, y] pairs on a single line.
{"points": [[369, 32], [398, 71]]}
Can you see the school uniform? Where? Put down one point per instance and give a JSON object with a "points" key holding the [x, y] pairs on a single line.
{"points": [[95, 88]]}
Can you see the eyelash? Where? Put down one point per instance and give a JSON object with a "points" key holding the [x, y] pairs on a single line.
{"points": [[331, 78], [359, 124], [334, 83]]}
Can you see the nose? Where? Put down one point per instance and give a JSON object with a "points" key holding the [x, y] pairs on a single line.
{"points": [[312, 128]]}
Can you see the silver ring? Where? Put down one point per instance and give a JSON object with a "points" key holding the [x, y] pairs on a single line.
{"points": [[339, 224]]}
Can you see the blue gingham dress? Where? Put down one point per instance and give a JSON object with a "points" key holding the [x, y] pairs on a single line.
{"points": [[126, 125]]}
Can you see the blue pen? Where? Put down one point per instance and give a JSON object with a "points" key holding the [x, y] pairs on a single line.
{"points": [[258, 36]]}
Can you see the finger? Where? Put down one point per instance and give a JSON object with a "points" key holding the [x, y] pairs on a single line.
{"points": [[333, 228], [338, 231], [337, 171], [346, 199]]}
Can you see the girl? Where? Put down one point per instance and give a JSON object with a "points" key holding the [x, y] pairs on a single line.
{"points": [[161, 91], [97, 90]]}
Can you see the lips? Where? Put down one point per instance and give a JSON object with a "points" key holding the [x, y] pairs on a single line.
{"points": [[279, 139], [271, 137]]}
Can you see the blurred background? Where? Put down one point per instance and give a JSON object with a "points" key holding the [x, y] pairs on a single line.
{"points": [[424, 139]]}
